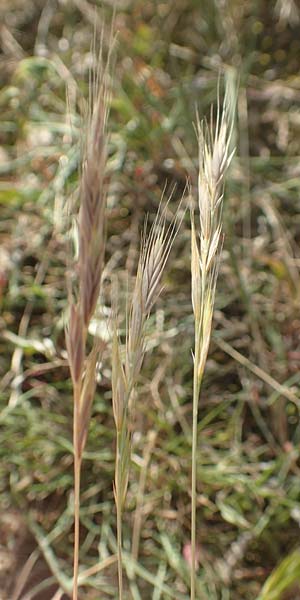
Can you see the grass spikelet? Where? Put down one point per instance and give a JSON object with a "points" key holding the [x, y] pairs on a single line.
{"points": [[214, 159]]}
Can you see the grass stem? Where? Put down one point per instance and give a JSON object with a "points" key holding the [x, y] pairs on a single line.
{"points": [[77, 470], [119, 513], [196, 392]]}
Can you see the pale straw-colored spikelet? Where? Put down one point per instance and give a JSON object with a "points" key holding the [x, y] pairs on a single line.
{"points": [[214, 159], [155, 250]]}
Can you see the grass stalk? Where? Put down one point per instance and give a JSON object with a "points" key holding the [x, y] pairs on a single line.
{"points": [[196, 393], [77, 473], [154, 253], [214, 159], [119, 517]]}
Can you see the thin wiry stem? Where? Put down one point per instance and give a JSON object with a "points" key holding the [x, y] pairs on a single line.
{"points": [[119, 517], [214, 159], [196, 392], [77, 471]]}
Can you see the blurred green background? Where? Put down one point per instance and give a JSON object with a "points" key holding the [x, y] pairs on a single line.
{"points": [[168, 60]]}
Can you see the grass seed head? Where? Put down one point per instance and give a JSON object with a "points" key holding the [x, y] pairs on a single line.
{"points": [[92, 209], [214, 160], [155, 250]]}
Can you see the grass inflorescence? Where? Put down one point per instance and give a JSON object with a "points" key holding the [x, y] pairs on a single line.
{"points": [[247, 514]]}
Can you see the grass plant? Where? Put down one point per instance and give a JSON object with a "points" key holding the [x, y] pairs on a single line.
{"points": [[91, 234], [214, 159], [154, 252]]}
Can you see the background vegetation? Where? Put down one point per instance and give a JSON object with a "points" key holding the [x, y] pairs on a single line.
{"points": [[168, 60]]}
